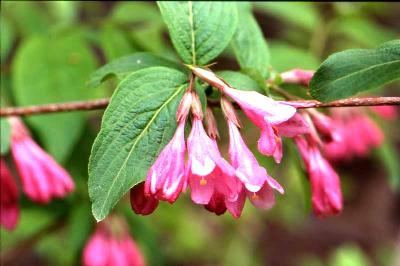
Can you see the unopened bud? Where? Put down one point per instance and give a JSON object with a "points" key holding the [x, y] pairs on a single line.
{"points": [[229, 111], [196, 105], [212, 129], [184, 106], [209, 77], [297, 76]]}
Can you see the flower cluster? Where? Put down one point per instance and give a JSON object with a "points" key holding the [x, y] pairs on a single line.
{"points": [[217, 184], [42, 178], [112, 245], [351, 122]]}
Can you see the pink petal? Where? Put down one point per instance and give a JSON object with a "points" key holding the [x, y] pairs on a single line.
{"points": [[266, 143], [235, 208], [296, 125], [202, 189], [263, 199], [96, 251]]}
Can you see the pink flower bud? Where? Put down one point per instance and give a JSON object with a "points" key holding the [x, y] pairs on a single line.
{"points": [[197, 109], [9, 214], [212, 128], [140, 203], [184, 106], [207, 171], [42, 177], [166, 178], [209, 77], [229, 111], [297, 76]]}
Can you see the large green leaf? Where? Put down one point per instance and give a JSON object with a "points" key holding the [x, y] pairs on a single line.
{"points": [[49, 71], [137, 124], [349, 72], [5, 136], [200, 31], [123, 66], [249, 45]]}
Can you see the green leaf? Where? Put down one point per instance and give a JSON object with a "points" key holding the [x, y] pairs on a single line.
{"points": [[123, 66], [5, 135], [349, 72], [240, 81], [301, 14], [137, 124], [285, 57], [249, 45], [199, 31], [27, 16], [390, 158], [135, 12], [51, 70], [114, 42], [362, 30], [7, 38]]}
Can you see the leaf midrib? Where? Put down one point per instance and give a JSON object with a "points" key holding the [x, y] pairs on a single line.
{"points": [[135, 143]]}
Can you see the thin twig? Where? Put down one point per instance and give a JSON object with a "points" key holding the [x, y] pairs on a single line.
{"points": [[102, 103]]}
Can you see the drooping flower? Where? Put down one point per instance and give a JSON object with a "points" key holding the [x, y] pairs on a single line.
{"points": [[325, 183], [166, 177], [207, 171], [140, 202], [111, 245], [42, 177], [357, 135], [9, 214], [297, 76]]}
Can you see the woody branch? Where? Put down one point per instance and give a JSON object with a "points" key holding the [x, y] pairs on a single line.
{"points": [[102, 103]]}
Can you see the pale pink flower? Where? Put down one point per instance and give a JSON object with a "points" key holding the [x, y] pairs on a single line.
{"points": [[388, 112], [297, 76], [166, 178], [140, 202], [207, 171], [9, 214], [42, 177], [325, 183], [108, 247]]}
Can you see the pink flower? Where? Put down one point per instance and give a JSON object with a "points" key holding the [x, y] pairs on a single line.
{"points": [[297, 76], [262, 199], [141, 203], [216, 204], [42, 177], [386, 111], [9, 215], [249, 172], [166, 178], [325, 183], [357, 135], [207, 171], [109, 247]]}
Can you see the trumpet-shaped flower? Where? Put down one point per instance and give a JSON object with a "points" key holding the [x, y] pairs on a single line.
{"points": [[42, 177]]}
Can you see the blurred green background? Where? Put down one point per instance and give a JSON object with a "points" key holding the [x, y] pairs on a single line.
{"points": [[49, 49]]}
